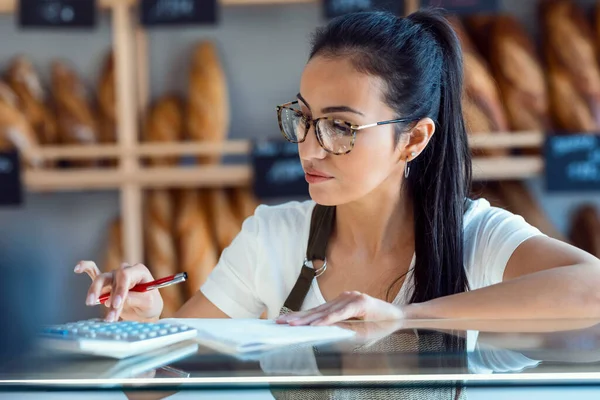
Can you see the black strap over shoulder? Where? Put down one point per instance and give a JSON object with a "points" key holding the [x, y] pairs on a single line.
{"points": [[321, 226]]}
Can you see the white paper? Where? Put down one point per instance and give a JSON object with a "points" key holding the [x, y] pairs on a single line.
{"points": [[255, 335]]}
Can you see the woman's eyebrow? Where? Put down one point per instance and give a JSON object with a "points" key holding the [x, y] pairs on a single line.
{"points": [[328, 110]]}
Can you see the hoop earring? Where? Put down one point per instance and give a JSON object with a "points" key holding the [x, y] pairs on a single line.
{"points": [[407, 166]]}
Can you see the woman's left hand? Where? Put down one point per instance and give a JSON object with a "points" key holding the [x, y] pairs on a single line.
{"points": [[349, 305]]}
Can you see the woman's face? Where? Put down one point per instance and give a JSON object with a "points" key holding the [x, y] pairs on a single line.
{"points": [[333, 88]]}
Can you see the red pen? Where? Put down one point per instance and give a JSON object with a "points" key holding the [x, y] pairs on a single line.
{"points": [[144, 287]]}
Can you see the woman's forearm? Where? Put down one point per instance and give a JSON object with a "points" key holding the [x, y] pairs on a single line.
{"points": [[565, 292]]}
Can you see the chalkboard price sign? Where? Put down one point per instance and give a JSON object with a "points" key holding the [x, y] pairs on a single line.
{"points": [[335, 8], [177, 12], [464, 6], [277, 170], [11, 192], [572, 163], [57, 13]]}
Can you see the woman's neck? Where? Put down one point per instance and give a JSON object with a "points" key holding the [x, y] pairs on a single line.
{"points": [[378, 224]]}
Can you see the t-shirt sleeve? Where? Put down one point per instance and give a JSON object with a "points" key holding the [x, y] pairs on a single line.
{"points": [[231, 286], [492, 236]]}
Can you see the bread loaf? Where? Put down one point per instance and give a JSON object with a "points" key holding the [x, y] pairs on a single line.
{"points": [[114, 247], [520, 201], [160, 246], [479, 27], [197, 252], [243, 203], [76, 122], [483, 109], [585, 229], [107, 103], [15, 130], [518, 70], [25, 82], [223, 220], [570, 111], [572, 66], [208, 103], [164, 123], [488, 191]]}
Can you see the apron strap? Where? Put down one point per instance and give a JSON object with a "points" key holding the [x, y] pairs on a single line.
{"points": [[321, 226]]}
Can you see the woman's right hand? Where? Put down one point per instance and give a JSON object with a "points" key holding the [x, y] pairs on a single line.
{"points": [[123, 304]]}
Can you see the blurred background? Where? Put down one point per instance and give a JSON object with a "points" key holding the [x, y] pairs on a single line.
{"points": [[146, 142]]}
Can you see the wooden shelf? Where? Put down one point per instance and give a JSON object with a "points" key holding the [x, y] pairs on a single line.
{"points": [[145, 150], [507, 140], [515, 140], [507, 168], [484, 168], [163, 177]]}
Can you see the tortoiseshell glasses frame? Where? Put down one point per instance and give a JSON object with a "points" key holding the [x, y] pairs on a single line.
{"points": [[350, 133]]}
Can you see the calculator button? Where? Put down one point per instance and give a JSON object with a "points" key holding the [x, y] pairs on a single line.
{"points": [[55, 331], [162, 332], [141, 336], [173, 329], [152, 334]]}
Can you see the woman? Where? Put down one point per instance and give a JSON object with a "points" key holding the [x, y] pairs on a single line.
{"points": [[381, 137]]}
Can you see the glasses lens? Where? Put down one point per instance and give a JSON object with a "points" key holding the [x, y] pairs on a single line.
{"points": [[293, 124], [336, 136]]}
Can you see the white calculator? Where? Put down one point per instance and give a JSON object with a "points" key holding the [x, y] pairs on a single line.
{"points": [[114, 339]]}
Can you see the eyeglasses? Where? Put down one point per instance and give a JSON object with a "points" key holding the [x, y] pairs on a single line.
{"points": [[335, 136]]}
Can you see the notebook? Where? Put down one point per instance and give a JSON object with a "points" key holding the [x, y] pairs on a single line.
{"points": [[243, 336]]}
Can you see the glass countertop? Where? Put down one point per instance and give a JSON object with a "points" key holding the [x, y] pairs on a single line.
{"points": [[404, 355]]}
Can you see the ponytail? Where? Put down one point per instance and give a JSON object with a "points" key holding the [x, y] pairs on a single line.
{"points": [[441, 173], [420, 59]]}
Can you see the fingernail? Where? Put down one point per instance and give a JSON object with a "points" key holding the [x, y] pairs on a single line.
{"points": [[77, 268], [90, 300], [110, 317], [117, 301]]}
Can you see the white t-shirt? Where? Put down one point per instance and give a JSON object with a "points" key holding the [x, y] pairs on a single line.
{"points": [[260, 267]]}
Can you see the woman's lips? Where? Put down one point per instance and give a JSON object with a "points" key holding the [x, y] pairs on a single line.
{"points": [[314, 176]]}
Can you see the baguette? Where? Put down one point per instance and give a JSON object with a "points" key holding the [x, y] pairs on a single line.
{"points": [[160, 244], [223, 220], [76, 122], [520, 201], [572, 64], [114, 247], [585, 229], [15, 130], [164, 123], [243, 203], [483, 109], [520, 75], [479, 27], [570, 111], [25, 82], [107, 100], [208, 108], [197, 252], [488, 191]]}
